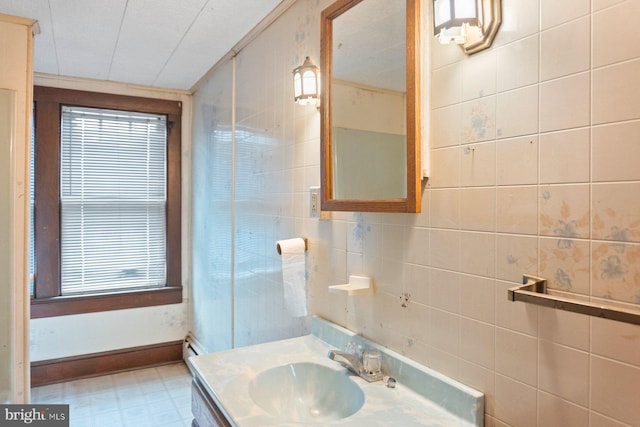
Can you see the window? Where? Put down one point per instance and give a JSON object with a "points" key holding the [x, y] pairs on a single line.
{"points": [[107, 202]]}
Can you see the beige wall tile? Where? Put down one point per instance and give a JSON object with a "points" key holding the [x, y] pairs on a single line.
{"points": [[566, 49], [478, 209], [564, 327], [565, 264], [393, 237], [564, 103], [564, 211], [518, 64], [564, 156], [517, 210], [478, 164], [416, 350], [604, 421], [416, 283], [478, 120], [416, 322], [445, 167], [603, 4], [390, 275], [446, 86], [516, 316], [478, 298], [613, 28], [478, 254], [564, 372], [516, 255], [517, 161], [477, 342], [417, 246], [479, 76], [616, 340], [615, 271], [442, 361], [446, 126], [614, 390], [444, 290], [517, 356], [517, 112], [616, 216], [445, 208], [446, 249], [615, 150], [444, 331], [514, 403], [552, 15], [555, 412], [616, 92]]}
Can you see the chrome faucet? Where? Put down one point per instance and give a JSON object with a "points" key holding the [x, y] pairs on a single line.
{"points": [[349, 360], [354, 362]]}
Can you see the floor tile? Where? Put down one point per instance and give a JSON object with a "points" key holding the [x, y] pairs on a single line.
{"points": [[150, 397]]}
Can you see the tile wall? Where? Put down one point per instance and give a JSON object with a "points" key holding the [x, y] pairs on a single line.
{"points": [[534, 145]]}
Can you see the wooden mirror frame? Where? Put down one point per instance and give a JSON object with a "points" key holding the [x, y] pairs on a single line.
{"points": [[412, 203]]}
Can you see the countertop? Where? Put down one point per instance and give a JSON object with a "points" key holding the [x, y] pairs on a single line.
{"points": [[422, 397]]}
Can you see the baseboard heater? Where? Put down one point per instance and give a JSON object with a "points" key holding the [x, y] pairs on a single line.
{"points": [[191, 347]]}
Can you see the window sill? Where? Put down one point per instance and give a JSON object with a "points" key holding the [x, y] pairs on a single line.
{"points": [[66, 305]]}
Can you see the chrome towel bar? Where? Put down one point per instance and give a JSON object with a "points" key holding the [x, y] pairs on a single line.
{"points": [[534, 291]]}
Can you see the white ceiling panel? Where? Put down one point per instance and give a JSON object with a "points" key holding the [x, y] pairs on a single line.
{"points": [[85, 34], [221, 24], [147, 40], [162, 43]]}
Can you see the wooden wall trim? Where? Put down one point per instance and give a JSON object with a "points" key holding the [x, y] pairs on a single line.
{"points": [[90, 365], [67, 305]]}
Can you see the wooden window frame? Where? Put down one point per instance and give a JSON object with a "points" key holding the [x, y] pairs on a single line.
{"points": [[47, 300]]}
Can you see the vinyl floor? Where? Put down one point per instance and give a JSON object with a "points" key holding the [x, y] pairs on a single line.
{"points": [[150, 397]]}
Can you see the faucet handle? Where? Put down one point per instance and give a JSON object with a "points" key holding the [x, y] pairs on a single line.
{"points": [[371, 361], [353, 348]]}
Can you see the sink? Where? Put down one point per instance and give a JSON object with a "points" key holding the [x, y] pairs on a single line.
{"points": [[306, 392]]}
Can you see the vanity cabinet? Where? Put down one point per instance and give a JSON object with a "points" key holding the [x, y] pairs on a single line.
{"points": [[205, 411]]}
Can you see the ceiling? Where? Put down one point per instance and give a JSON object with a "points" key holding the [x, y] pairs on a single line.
{"points": [[161, 43]]}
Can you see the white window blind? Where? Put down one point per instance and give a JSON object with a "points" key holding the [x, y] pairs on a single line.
{"points": [[32, 204], [113, 200]]}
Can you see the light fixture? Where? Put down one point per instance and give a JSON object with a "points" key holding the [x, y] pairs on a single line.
{"points": [[306, 84], [472, 24]]}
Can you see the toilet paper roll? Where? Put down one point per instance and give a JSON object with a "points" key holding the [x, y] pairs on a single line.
{"points": [[293, 275]]}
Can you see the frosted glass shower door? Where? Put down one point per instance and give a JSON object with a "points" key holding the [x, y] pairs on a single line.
{"points": [[212, 213]]}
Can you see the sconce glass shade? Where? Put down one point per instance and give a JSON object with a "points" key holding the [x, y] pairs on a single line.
{"points": [[455, 13], [472, 24], [306, 83]]}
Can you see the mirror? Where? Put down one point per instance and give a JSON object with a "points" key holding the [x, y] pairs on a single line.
{"points": [[370, 134]]}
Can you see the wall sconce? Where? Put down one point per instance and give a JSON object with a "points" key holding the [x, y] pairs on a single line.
{"points": [[306, 84], [473, 24]]}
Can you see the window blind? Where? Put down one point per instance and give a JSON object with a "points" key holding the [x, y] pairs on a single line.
{"points": [[113, 200], [32, 204]]}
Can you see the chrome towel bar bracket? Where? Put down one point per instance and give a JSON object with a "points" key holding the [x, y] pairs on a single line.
{"points": [[534, 291]]}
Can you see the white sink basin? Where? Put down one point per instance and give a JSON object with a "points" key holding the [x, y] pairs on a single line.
{"points": [[306, 392]]}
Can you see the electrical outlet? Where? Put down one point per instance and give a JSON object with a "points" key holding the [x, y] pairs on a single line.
{"points": [[314, 202]]}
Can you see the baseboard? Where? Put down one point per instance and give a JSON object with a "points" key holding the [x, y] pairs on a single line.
{"points": [[109, 362]]}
